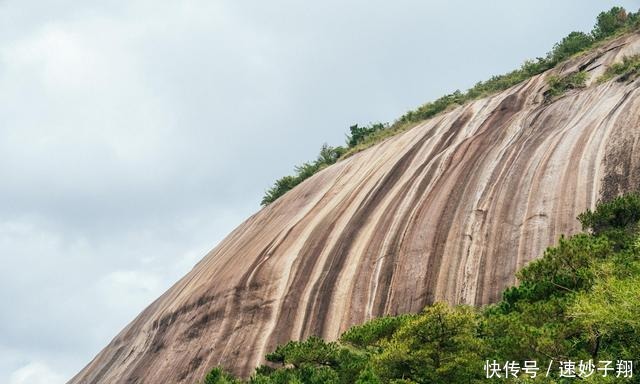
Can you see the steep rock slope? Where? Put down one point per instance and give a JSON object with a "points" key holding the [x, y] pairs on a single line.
{"points": [[449, 210]]}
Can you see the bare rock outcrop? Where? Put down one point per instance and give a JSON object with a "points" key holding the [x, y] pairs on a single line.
{"points": [[448, 210]]}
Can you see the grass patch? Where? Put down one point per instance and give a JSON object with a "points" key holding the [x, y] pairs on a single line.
{"points": [[628, 69]]}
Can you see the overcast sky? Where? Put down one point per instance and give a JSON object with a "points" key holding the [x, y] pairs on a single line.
{"points": [[135, 134]]}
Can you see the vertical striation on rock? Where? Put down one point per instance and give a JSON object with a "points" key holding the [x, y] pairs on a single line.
{"points": [[448, 210]]}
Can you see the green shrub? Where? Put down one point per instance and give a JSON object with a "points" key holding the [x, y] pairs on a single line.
{"points": [[374, 331], [219, 376], [368, 376], [441, 345], [559, 85], [610, 22], [573, 43], [622, 213], [328, 155], [629, 68], [313, 351], [359, 134]]}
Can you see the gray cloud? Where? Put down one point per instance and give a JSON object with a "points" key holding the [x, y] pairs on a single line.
{"points": [[135, 134]]}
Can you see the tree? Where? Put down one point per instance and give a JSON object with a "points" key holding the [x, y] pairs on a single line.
{"points": [[368, 376], [358, 134], [374, 331], [329, 155], [280, 187], [438, 346], [622, 213], [609, 313], [573, 43], [218, 376], [609, 22], [313, 351]]}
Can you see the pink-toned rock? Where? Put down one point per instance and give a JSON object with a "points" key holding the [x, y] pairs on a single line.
{"points": [[448, 210]]}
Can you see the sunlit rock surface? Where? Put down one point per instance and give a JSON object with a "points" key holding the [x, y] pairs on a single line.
{"points": [[449, 210]]}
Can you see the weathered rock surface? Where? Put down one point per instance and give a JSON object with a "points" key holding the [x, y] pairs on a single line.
{"points": [[449, 210]]}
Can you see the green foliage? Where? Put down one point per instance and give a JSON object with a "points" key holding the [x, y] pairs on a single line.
{"points": [[612, 295], [312, 351], [378, 136], [580, 301], [628, 69], [328, 155], [313, 361], [440, 345], [368, 376], [374, 331], [302, 375], [573, 43], [359, 134], [564, 268], [622, 213], [531, 321], [610, 23], [609, 315], [559, 85], [433, 108], [219, 376], [279, 188]]}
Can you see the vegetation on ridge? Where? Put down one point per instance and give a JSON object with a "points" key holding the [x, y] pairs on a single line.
{"points": [[628, 69], [559, 85], [579, 302], [327, 156], [610, 23]]}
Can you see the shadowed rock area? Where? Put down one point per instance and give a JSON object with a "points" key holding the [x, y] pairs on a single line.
{"points": [[448, 210]]}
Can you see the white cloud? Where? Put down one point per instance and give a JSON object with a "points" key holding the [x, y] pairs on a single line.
{"points": [[36, 373], [135, 134], [137, 288], [62, 60]]}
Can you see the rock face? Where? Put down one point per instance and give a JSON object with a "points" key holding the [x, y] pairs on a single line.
{"points": [[448, 210]]}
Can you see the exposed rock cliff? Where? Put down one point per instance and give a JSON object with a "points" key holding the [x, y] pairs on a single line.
{"points": [[449, 210]]}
